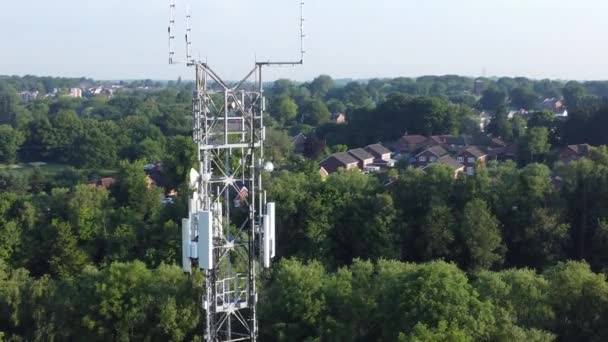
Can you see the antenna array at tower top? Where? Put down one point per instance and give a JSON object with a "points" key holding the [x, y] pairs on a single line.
{"points": [[188, 35]]}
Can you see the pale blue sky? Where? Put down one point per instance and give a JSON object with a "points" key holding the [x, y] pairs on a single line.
{"points": [[127, 39]]}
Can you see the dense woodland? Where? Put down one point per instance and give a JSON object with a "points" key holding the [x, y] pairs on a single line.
{"points": [[518, 252]]}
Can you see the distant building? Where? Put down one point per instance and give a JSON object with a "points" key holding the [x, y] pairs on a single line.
{"points": [[338, 118], [471, 157], [382, 155], [75, 93], [484, 120], [341, 160], [241, 196], [28, 96], [574, 152], [410, 144], [103, 182], [449, 161], [557, 106], [363, 157], [101, 91], [497, 143], [429, 156], [508, 152], [299, 143]]}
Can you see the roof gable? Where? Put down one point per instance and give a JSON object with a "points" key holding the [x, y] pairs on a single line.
{"points": [[438, 151], [413, 139], [474, 151], [344, 158], [360, 154], [377, 149]]}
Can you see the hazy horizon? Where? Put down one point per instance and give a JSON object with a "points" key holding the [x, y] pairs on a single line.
{"points": [[115, 40]]}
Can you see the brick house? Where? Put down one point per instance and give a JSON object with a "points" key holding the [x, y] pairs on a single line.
{"points": [[341, 160], [449, 161], [382, 155], [429, 156], [103, 182], [299, 143], [471, 157], [338, 118], [363, 157], [574, 152], [409, 144]]}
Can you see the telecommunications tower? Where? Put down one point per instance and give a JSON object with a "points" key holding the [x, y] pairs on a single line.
{"points": [[230, 230]]}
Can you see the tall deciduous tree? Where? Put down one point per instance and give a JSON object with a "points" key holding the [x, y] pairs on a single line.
{"points": [[285, 109], [523, 98], [321, 85], [10, 142], [493, 98], [480, 236], [535, 144]]}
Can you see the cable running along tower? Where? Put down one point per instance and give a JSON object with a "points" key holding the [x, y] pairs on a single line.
{"points": [[229, 233]]}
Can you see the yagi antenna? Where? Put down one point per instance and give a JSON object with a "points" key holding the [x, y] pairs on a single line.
{"points": [[188, 33], [171, 29], [302, 35]]}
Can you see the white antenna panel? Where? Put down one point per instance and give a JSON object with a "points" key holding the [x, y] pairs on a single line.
{"points": [[266, 259], [205, 240], [194, 179], [186, 240], [193, 250], [270, 210], [193, 204]]}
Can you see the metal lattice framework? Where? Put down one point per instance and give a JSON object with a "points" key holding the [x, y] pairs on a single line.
{"points": [[229, 232], [229, 133]]}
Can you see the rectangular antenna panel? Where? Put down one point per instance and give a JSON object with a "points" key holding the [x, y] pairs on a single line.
{"points": [[193, 203], [205, 240], [266, 240], [270, 210], [186, 240]]}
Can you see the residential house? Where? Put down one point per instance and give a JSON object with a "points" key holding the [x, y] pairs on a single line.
{"points": [[75, 93], [338, 118], [299, 143], [340, 160], [470, 158], [574, 152], [101, 91], [449, 161], [241, 196], [382, 155], [28, 96], [363, 157], [103, 182], [496, 143], [429, 156], [508, 152], [454, 144], [557, 106], [410, 144], [484, 120]]}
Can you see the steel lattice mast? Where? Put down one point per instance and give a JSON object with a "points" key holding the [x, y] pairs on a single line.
{"points": [[229, 232]]}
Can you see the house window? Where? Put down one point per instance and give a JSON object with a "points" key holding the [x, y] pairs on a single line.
{"points": [[461, 159], [432, 159], [422, 159], [471, 160], [470, 170]]}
